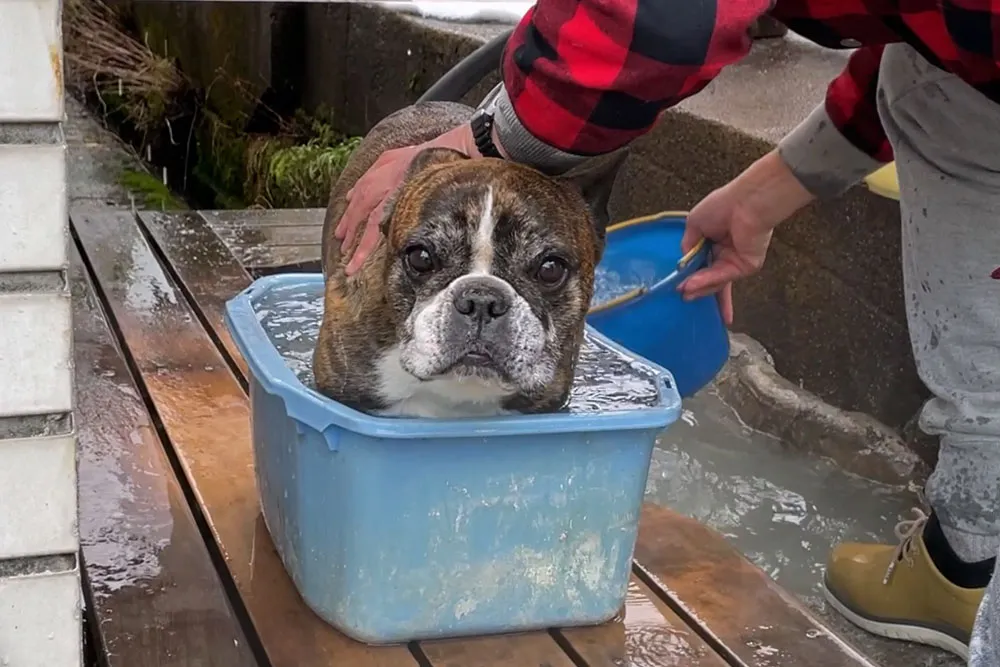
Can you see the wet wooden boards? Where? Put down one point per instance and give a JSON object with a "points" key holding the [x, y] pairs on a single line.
{"points": [[270, 239], [205, 415], [693, 601], [741, 607], [153, 591]]}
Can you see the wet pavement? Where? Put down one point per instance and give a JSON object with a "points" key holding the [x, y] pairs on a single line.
{"points": [[783, 508]]}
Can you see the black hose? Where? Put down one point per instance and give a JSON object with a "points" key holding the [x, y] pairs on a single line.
{"points": [[472, 69]]}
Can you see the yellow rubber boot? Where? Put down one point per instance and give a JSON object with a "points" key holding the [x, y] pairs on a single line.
{"points": [[898, 592]]}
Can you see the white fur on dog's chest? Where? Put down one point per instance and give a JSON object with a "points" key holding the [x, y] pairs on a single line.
{"points": [[445, 398]]}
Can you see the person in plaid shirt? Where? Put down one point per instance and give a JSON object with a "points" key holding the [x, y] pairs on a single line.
{"points": [[583, 78]]}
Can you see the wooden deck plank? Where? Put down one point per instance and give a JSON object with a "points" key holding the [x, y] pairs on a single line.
{"points": [[210, 294], [154, 594], [249, 237], [265, 217], [205, 414], [759, 623], [264, 239], [269, 257], [533, 649], [210, 271], [650, 634]]}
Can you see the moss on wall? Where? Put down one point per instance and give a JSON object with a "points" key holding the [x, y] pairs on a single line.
{"points": [[150, 192], [292, 169]]}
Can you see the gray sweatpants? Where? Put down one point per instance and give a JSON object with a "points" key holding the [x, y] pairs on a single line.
{"points": [[984, 649], [946, 139]]}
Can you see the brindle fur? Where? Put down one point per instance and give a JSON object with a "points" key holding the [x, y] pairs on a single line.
{"points": [[364, 312]]}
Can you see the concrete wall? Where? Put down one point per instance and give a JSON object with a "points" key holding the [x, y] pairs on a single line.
{"points": [[40, 600], [829, 303], [244, 40]]}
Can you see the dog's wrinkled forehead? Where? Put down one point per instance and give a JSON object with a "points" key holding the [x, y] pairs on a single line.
{"points": [[486, 216]]}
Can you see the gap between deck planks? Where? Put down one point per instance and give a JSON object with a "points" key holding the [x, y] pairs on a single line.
{"points": [[746, 633], [265, 217], [151, 586]]}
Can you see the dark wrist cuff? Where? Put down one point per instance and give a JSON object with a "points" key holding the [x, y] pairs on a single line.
{"points": [[519, 144]]}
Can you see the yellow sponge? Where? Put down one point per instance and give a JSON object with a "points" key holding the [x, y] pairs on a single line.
{"points": [[884, 182]]}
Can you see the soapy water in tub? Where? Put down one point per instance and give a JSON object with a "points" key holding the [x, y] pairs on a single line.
{"points": [[606, 381]]}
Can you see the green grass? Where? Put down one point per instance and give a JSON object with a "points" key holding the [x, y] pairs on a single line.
{"points": [[300, 175], [150, 192], [293, 169]]}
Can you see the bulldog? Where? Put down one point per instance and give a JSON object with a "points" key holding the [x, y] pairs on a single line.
{"points": [[473, 303]]}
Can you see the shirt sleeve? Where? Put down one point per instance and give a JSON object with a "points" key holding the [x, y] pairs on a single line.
{"points": [[586, 77], [842, 140]]}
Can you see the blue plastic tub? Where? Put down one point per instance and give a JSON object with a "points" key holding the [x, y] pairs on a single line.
{"points": [[636, 303], [402, 529]]}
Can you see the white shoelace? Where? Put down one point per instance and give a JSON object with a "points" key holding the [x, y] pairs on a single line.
{"points": [[906, 531]]}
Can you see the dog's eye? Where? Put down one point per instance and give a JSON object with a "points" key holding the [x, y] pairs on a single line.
{"points": [[552, 271], [419, 259]]}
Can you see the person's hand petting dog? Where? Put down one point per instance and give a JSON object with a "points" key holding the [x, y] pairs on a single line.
{"points": [[366, 200]]}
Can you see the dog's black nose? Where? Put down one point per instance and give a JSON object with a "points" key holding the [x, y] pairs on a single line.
{"points": [[481, 302]]}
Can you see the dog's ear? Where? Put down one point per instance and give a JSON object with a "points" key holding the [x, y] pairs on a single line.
{"points": [[595, 179], [428, 157], [433, 156]]}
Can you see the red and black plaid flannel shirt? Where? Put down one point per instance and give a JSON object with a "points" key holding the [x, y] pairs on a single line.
{"points": [[589, 76]]}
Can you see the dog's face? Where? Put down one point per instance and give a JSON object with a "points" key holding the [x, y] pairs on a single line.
{"points": [[489, 270]]}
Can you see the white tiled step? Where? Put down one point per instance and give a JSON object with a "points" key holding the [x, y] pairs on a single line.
{"points": [[40, 620], [31, 67], [33, 221], [35, 353], [38, 497]]}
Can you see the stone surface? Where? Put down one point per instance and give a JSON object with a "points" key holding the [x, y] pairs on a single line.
{"points": [[856, 442], [767, 93], [96, 159], [33, 207], [781, 505], [30, 37], [379, 61], [235, 51]]}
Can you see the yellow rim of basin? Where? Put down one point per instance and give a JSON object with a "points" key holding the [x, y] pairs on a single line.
{"points": [[884, 182]]}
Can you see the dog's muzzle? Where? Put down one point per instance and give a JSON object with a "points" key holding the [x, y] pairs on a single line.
{"points": [[479, 325]]}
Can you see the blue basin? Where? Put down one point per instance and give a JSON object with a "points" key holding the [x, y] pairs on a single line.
{"points": [[637, 305]]}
